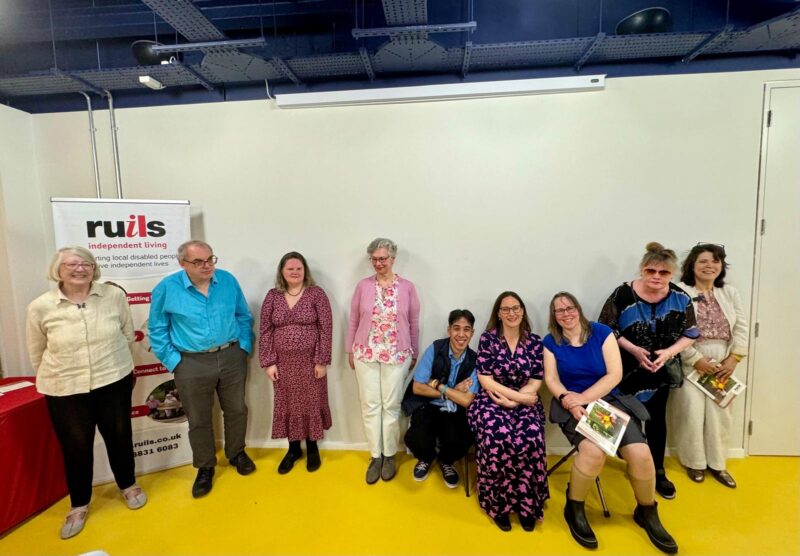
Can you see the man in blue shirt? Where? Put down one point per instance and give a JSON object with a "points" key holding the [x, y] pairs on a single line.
{"points": [[201, 329], [445, 383]]}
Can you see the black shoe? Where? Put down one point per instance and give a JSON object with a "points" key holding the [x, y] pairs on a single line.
{"points": [[503, 522], [647, 518], [528, 522], [450, 475], [288, 462], [578, 524], [664, 486], [244, 465], [421, 470], [202, 483]]}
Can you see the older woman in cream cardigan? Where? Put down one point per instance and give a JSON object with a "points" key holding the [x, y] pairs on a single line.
{"points": [[703, 427]]}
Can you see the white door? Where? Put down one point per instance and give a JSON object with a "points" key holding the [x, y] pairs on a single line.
{"points": [[775, 347]]}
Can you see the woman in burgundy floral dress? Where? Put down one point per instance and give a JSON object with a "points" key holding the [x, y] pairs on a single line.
{"points": [[507, 417], [295, 350]]}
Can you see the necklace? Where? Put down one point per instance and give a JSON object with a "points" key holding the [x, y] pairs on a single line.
{"points": [[295, 294]]}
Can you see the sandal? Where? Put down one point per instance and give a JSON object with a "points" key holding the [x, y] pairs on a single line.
{"points": [[134, 496], [74, 522]]}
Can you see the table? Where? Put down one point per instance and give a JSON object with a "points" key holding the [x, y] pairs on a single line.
{"points": [[31, 466]]}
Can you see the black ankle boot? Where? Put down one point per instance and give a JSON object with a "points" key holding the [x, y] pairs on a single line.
{"points": [[578, 524], [295, 453], [647, 518], [313, 461]]}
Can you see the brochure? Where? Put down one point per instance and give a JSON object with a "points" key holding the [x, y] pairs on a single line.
{"points": [[604, 425], [721, 391]]}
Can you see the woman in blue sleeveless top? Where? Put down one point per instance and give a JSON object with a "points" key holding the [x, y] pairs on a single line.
{"points": [[582, 364]]}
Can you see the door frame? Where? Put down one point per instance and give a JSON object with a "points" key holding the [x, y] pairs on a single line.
{"points": [[769, 86]]}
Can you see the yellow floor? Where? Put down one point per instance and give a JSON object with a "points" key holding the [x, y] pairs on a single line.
{"points": [[333, 511]]}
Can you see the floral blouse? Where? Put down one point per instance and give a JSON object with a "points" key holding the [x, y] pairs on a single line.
{"points": [[711, 320], [382, 340]]}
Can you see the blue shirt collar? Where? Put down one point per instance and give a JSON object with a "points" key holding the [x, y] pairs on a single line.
{"points": [[187, 283], [450, 352]]}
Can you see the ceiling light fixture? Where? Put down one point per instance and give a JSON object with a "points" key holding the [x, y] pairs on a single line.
{"points": [[427, 93], [151, 82]]}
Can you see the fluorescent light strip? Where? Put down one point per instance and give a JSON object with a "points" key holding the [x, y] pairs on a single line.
{"points": [[426, 93]]}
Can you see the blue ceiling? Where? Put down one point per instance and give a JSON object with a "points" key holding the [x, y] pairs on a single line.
{"points": [[51, 50]]}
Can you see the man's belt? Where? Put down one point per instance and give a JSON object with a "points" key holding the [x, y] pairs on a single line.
{"points": [[222, 347]]}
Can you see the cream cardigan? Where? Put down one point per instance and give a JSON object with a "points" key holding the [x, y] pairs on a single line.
{"points": [[731, 305]]}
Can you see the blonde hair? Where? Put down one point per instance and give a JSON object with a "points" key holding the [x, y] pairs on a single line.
{"points": [[658, 254], [82, 252]]}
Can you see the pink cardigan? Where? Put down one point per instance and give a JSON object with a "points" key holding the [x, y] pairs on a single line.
{"points": [[407, 315]]}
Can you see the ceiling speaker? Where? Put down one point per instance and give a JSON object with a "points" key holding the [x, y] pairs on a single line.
{"points": [[648, 20], [143, 52]]}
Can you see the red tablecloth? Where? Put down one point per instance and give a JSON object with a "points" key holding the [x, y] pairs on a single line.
{"points": [[31, 466]]}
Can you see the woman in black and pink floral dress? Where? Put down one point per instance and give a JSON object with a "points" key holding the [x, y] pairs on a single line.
{"points": [[507, 417], [295, 351]]}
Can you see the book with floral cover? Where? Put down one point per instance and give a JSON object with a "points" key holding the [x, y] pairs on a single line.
{"points": [[604, 425], [722, 391]]}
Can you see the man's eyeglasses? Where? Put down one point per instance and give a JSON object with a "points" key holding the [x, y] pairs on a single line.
{"points": [[652, 272], [198, 263], [508, 310], [75, 266], [376, 260], [566, 311]]}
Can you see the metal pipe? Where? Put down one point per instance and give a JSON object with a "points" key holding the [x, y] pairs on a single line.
{"points": [[92, 132], [114, 145]]}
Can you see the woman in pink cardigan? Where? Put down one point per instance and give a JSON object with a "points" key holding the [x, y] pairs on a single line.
{"points": [[382, 344]]}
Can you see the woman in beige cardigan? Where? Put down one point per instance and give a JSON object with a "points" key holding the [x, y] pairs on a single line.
{"points": [[703, 428]]}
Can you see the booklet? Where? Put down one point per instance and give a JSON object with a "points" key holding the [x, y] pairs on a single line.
{"points": [[604, 425], [721, 391]]}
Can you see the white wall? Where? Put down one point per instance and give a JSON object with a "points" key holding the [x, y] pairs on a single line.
{"points": [[534, 194], [22, 237]]}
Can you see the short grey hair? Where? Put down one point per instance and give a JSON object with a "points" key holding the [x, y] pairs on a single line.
{"points": [[82, 252], [192, 242], [382, 242]]}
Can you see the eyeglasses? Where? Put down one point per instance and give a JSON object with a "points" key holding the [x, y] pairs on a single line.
{"points": [[75, 266], [376, 260], [508, 310], [652, 272], [566, 311], [211, 261]]}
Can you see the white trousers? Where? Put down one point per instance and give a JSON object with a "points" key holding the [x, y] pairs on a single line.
{"points": [[701, 427], [380, 388]]}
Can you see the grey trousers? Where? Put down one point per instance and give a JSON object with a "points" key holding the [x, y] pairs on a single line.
{"points": [[197, 377]]}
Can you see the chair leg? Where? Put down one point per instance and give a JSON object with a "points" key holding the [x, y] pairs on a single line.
{"points": [[466, 474], [560, 462], [602, 498]]}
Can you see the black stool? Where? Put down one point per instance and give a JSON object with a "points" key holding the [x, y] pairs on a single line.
{"points": [[560, 462]]}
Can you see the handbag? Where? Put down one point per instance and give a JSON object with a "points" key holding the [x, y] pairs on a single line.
{"points": [[673, 373]]}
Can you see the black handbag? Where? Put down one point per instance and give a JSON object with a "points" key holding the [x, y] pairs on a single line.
{"points": [[673, 373]]}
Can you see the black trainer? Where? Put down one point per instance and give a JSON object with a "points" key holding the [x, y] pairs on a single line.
{"points": [[450, 475], [203, 482], [664, 486], [421, 470]]}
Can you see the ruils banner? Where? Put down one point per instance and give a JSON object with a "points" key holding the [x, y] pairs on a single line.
{"points": [[135, 243]]}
